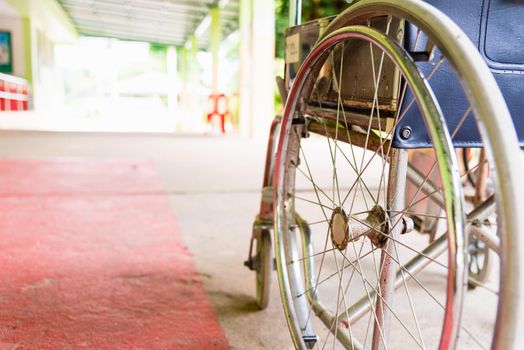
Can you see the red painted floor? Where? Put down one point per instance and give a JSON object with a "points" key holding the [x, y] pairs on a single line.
{"points": [[90, 257]]}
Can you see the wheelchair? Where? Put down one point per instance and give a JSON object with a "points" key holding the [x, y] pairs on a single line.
{"points": [[363, 200]]}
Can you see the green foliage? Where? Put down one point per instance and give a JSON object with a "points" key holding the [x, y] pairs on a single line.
{"points": [[281, 23], [158, 53], [159, 49], [311, 9]]}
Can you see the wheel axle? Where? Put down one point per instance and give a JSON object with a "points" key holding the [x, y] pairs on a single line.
{"points": [[376, 226]]}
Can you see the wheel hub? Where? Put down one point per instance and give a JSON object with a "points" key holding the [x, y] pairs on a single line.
{"points": [[339, 229], [345, 229], [379, 221]]}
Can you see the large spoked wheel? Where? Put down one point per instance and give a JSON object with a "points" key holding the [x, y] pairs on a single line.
{"points": [[362, 277]]}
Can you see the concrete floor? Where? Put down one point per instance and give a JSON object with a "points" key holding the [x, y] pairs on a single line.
{"points": [[213, 185]]}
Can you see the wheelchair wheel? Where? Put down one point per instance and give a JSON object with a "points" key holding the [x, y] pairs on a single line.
{"points": [[479, 262], [362, 277]]}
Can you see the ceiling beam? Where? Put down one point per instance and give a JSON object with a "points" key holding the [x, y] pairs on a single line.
{"points": [[199, 6], [88, 29], [203, 26], [104, 7], [125, 35], [160, 21], [107, 17]]}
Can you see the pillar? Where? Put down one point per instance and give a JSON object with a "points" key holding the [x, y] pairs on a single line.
{"points": [[172, 93], [214, 47], [295, 12], [257, 53], [191, 113]]}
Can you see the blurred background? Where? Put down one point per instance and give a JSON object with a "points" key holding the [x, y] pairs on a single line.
{"points": [[130, 130], [192, 66]]}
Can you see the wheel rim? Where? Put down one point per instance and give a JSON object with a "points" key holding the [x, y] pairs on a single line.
{"points": [[290, 281]]}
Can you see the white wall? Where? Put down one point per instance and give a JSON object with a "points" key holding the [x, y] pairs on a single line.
{"points": [[48, 87], [15, 26]]}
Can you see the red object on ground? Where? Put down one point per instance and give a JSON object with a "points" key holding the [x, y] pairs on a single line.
{"points": [[91, 258], [219, 109]]}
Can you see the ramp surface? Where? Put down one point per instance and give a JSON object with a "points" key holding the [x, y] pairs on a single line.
{"points": [[90, 257]]}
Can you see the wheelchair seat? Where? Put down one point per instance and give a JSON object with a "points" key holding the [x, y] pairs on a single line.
{"points": [[497, 28]]}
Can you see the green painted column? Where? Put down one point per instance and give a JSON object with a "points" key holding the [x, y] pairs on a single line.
{"points": [[191, 111], [183, 63], [28, 49], [195, 110], [172, 86], [192, 58], [214, 45]]}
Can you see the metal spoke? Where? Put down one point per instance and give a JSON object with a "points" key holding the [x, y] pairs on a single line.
{"points": [[418, 214], [335, 178], [358, 180], [356, 172], [366, 290], [482, 285], [400, 243], [412, 307], [310, 256], [313, 202], [327, 233], [341, 276], [436, 301], [315, 185], [311, 223], [332, 275], [384, 301]]}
